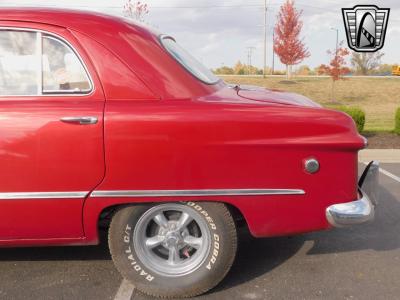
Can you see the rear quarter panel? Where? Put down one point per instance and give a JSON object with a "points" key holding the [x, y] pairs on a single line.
{"points": [[183, 145]]}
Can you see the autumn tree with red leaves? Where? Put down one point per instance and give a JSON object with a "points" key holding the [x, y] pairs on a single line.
{"points": [[287, 43], [337, 67], [136, 10]]}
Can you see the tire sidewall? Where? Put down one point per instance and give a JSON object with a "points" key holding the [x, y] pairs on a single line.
{"points": [[208, 273]]}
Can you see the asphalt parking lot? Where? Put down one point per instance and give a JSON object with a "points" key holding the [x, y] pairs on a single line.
{"points": [[353, 263]]}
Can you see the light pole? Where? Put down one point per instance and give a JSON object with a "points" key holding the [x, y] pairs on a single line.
{"points": [[249, 58], [265, 38], [273, 51]]}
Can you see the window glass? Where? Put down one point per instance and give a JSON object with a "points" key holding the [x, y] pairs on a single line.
{"points": [[62, 69], [19, 63], [189, 62]]}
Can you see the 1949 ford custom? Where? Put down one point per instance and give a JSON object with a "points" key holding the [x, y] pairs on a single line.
{"points": [[105, 122]]}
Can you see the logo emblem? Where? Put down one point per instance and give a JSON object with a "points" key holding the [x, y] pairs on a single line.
{"points": [[365, 27]]}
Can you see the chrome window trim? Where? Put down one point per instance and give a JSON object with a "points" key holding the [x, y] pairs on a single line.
{"points": [[191, 193], [63, 93], [39, 50], [163, 37], [43, 195]]}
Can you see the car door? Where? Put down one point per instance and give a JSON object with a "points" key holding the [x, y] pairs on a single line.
{"points": [[51, 133]]}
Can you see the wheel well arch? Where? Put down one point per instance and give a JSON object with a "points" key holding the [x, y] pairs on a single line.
{"points": [[108, 212]]}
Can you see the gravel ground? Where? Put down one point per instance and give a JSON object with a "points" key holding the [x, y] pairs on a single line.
{"points": [[383, 140]]}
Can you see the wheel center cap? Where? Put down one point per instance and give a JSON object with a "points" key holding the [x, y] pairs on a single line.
{"points": [[172, 239]]}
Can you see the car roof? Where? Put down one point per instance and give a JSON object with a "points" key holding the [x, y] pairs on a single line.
{"points": [[74, 19]]}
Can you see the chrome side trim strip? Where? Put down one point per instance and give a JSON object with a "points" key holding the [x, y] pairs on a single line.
{"points": [[43, 195], [151, 193], [206, 192]]}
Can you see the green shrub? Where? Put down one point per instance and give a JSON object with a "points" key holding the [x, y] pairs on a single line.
{"points": [[397, 122], [357, 114]]}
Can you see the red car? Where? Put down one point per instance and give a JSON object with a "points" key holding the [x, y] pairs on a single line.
{"points": [[105, 122]]}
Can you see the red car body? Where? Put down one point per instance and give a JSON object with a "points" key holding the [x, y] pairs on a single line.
{"points": [[162, 135]]}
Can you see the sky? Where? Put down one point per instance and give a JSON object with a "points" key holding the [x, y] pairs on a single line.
{"points": [[218, 32]]}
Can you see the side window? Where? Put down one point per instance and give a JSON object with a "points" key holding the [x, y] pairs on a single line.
{"points": [[62, 69], [19, 63], [35, 63]]}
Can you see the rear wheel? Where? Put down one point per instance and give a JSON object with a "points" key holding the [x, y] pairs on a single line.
{"points": [[173, 249]]}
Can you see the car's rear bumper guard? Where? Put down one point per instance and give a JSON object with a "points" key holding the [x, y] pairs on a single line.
{"points": [[363, 209]]}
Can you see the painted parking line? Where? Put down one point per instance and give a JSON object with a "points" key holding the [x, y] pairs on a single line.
{"points": [[125, 291], [387, 173]]}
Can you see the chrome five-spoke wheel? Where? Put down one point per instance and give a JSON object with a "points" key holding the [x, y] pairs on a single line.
{"points": [[171, 239]]}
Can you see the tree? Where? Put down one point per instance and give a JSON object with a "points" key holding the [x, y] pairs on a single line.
{"points": [[337, 66], [136, 10], [303, 70], [239, 68], [287, 43], [320, 70], [384, 69], [252, 70], [224, 71], [366, 63]]}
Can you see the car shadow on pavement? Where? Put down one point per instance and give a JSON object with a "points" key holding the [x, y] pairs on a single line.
{"points": [[382, 234], [257, 257], [98, 252]]}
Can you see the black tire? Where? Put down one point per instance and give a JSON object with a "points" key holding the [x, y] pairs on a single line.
{"points": [[210, 271]]}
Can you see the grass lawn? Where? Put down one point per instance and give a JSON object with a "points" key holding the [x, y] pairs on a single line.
{"points": [[378, 97]]}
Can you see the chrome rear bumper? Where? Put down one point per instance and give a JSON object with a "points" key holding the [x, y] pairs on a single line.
{"points": [[363, 209]]}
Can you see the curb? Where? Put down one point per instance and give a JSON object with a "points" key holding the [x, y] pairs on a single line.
{"points": [[382, 155]]}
